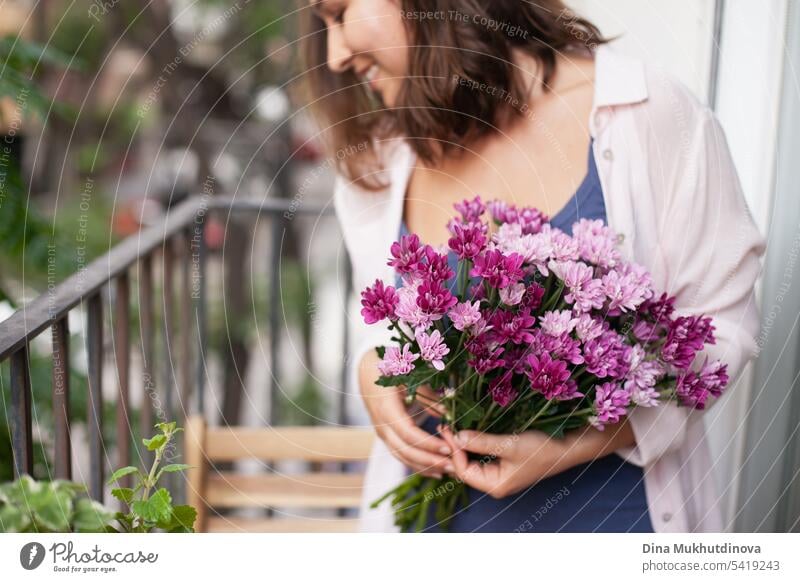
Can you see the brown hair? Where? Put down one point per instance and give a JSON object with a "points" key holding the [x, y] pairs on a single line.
{"points": [[430, 104]]}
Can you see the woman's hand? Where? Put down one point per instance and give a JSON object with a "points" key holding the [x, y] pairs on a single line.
{"points": [[422, 452], [521, 460]]}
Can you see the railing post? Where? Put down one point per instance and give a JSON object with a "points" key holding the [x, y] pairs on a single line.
{"points": [[199, 250], [121, 330], [61, 412], [148, 365], [167, 299], [94, 417], [275, 303], [21, 433]]}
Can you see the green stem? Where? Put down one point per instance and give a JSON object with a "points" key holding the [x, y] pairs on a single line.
{"points": [[536, 416], [565, 415]]}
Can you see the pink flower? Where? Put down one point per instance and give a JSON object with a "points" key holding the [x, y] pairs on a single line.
{"points": [[557, 322], [397, 362], [588, 328], [627, 287], [465, 314], [432, 347], [584, 290], [408, 310], [512, 294], [597, 243]]}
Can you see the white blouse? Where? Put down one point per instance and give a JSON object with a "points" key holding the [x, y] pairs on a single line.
{"points": [[671, 189]]}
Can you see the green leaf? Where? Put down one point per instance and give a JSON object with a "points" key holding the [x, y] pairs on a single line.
{"points": [[119, 473], [166, 427], [381, 351], [181, 520], [90, 516], [157, 508], [12, 520], [51, 509], [124, 494], [172, 469], [470, 415], [157, 441]]}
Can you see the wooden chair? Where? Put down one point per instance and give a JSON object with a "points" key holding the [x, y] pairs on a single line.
{"points": [[207, 489]]}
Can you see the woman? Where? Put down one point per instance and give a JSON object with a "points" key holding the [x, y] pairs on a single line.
{"points": [[426, 104]]}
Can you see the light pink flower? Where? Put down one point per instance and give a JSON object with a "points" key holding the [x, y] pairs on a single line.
{"points": [[465, 314], [557, 322], [512, 294], [397, 362], [432, 347], [408, 310]]}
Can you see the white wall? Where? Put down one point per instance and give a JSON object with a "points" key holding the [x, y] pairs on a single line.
{"points": [[679, 35], [675, 34]]}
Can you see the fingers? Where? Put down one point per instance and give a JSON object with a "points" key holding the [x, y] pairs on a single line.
{"points": [[416, 437], [481, 442], [482, 476], [470, 472], [420, 460]]}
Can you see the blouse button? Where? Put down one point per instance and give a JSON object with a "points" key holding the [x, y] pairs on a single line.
{"points": [[667, 516], [608, 154]]}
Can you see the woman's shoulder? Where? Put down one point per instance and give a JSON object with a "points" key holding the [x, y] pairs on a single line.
{"points": [[671, 110]]}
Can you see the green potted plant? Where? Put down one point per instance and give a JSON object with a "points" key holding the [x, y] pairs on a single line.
{"points": [[30, 506]]}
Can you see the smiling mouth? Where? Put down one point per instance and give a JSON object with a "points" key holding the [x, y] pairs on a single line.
{"points": [[370, 75]]}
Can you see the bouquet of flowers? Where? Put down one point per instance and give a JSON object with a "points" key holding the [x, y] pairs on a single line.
{"points": [[536, 330]]}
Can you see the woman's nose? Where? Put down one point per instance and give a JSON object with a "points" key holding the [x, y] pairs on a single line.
{"points": [[339, 54]]}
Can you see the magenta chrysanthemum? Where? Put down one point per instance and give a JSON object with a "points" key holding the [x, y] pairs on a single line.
{"points": [[379, 302]]}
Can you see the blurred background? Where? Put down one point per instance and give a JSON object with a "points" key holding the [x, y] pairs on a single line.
{"points": [[114, 112]]}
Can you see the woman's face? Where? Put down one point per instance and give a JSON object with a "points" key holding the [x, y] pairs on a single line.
{"points": [[369, 38]]}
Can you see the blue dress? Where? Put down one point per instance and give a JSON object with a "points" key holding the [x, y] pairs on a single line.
{"points": [[603, 495]]}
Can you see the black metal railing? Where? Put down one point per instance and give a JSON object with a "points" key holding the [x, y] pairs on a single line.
{"points": [[179, 241]]}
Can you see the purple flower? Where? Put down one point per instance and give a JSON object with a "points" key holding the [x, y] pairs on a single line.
{"points": [[397, 362], [434, 299], [379, 302], [436, 268], [660, 309], [468, 240], [470, 210], [532, 299], [607, 355], [465, 314], [610, 403], [486, 355], [693, 388], [530, 219], [408, 254], [432, 347], [551, 377], [685, 338], [511, 326], [502, 391], [498, 269]]}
